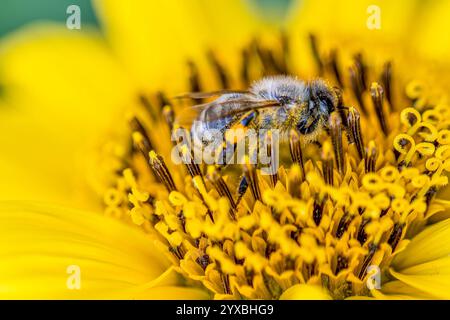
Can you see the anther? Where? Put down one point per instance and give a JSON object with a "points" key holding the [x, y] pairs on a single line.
{"points": [[362, 235], [285, 49], [371, 157], [251, 176], [316, 54], [336, 139], [161, 170], [334, 66], [342, 110], [245, 72], [317, 213], [137, 126], [343, 225], [342, 264], [169, 116], [194, 77], [327, 163], [163, 100], [372, 249], [295, 148], [357, 87], [395, 236], [362, 70], [377, 94], [220, 70], [144, 101], [192, 167], [354, 125], [221, 187], [386, 81], [274, 174]]}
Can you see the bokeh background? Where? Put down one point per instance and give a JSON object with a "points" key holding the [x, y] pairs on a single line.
{"points": [[17, 13]]}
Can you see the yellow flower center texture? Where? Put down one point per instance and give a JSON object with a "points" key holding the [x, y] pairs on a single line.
{"points": [[334, 209]]}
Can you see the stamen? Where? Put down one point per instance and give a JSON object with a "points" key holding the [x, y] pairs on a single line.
{"points": [[203, 261], [336, 139], [267, 58], [161, 170], [188, 160], [252, 179], [169, 116], [144, 147], [272, 62], [221, 187], [317, 213], [316, 54], [371, 157], [395, 236], [245, 70], [285, 49], [327, 163], [354, 125], [357, 87], [295, 148], [194, 77], [163, 100], [220, 70], [342, 263], [334, 66], [372, 249], [343, 225], [340, 106], [143, 100], [386, 81], [137, 126], [362, 235], [273, 169], [362, 70], [376, 91]]}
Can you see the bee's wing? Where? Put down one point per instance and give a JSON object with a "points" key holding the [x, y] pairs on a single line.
{"points": [[227, 108], [210, 94]]}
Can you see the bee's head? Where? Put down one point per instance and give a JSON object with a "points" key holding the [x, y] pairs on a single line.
{"points": [[322, 101], [323, 98]]}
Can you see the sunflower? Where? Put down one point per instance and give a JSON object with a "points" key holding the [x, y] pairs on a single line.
{"points": [[358, 214]]}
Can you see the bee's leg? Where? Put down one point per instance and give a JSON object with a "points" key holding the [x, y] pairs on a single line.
{"points": [[244, 122]]}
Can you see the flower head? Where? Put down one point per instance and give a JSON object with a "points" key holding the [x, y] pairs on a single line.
{"points": [[333, 212], [352, 211]]}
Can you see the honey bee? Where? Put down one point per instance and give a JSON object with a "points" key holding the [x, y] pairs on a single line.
{"points": [[276, 102]]}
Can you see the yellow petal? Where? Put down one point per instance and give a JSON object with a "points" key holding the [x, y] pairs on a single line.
{"points": [[348, 17], [431, 244], [46, 252], [432, 277], [344, 25], [154, 39], [397, 290], [305, 292], [425, 263], [63, 88], [434, 22]]}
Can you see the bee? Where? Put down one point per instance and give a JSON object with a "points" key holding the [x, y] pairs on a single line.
{"points": [[276, 102]]}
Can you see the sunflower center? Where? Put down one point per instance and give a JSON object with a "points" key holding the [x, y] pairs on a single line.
{"points": [[334, 214]]}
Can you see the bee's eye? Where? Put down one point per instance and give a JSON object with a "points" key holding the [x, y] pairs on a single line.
{"points": [[326, 104]]}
